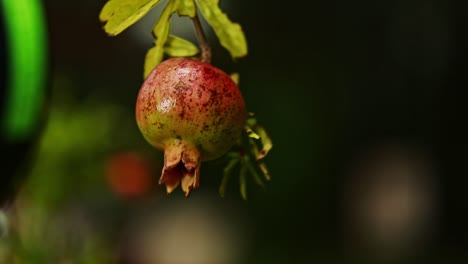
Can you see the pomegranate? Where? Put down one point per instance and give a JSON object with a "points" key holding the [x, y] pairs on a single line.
{"points": [[193, 112]]}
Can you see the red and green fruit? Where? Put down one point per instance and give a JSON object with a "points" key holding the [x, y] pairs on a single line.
{"points": [[193, 112]]}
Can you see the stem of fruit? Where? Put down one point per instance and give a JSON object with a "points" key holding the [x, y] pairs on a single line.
{"points": [[204, 46]]}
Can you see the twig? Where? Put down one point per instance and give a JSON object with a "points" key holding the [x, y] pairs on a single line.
{"points": [[202, 42]]}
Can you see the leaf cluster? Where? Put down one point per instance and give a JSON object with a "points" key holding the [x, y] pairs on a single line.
{"points": [[250, 159], [118, 15]]}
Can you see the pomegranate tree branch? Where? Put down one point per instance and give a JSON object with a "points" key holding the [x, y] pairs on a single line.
{"points": [[202, 42]]}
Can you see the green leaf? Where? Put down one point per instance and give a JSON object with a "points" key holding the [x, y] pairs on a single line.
{"points": [[264, 169], [235, 77], [251, 133], [227, 173], [179, 47], [266, 143], [120, 14], [261, 164], [186, 8], [252, 170], [161, 32], [230, 34], [243, 182], [260, 131]]}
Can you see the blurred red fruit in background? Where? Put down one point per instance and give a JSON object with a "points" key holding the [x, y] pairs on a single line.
{"points": [[129, 174]]}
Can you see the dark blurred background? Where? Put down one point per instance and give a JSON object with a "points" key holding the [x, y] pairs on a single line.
{"points": [[363, 101]]}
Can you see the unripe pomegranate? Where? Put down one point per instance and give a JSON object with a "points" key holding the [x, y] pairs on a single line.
{"points": [[193, 112]]}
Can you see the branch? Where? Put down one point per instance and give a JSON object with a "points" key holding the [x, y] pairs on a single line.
{"points": [[202, 42]]}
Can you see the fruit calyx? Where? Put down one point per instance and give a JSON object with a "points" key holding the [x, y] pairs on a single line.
{"points": [[181, 167]]}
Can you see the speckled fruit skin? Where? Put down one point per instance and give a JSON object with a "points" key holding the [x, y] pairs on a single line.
{"points": [[193, 112]]}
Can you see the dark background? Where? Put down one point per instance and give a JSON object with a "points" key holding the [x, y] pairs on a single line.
{"points": [[332, 81]]}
